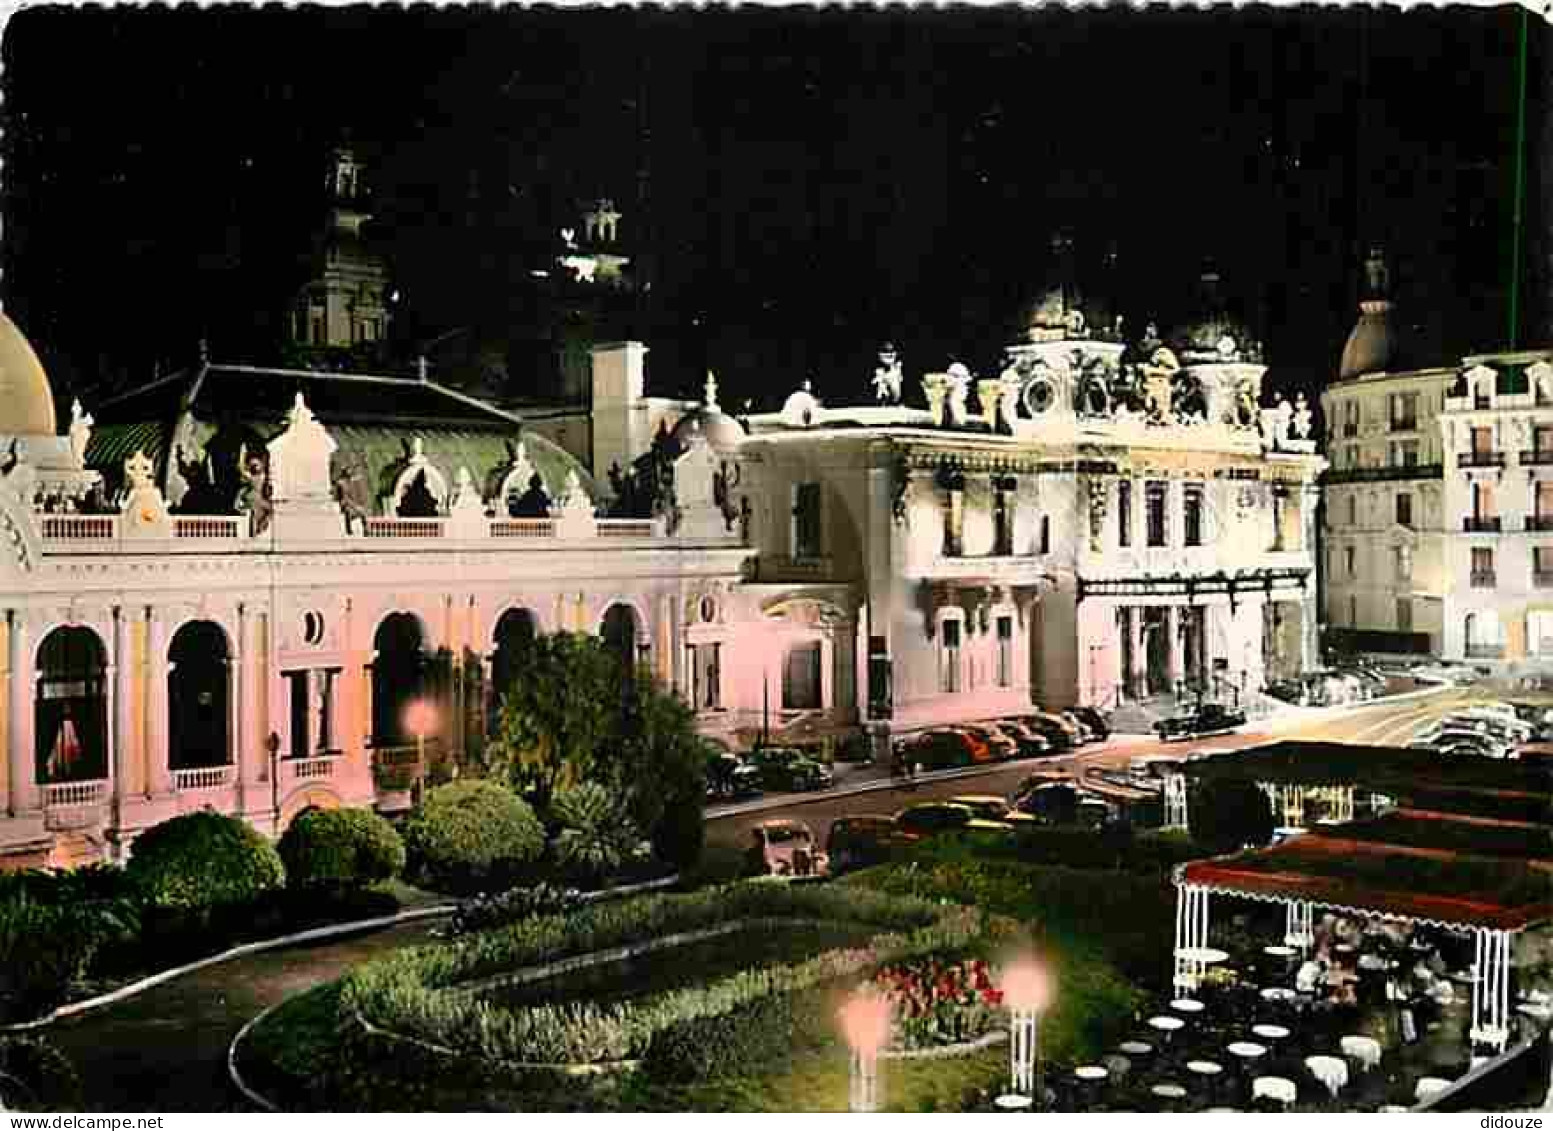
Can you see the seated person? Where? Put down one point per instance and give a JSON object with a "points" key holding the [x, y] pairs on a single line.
{"points": [[1312, 974]]}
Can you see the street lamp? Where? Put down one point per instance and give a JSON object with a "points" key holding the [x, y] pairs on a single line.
{"points": [[1027, 991], [272, 744], [865, 1022], [420, 718]]}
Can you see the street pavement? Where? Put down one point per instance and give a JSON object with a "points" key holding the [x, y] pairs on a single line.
{"points": [[1382, 723]]}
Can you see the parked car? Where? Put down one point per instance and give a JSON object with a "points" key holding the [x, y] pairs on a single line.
{"points": [[861, 842], [783, 848], [729, 777], [1507, 728], [991, 807], [855, 747], [1093, 718], [788, 768], [1062, 734], [944, 748], [999, 746], [1031, 744], [1049, 802], [929, 818], [1207, 718], [1458, 741]]}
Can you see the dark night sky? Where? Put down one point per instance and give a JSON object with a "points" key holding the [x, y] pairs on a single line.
{"points": [[798, 185]]}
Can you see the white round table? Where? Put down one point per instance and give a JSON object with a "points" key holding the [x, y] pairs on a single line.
{"points": [[1330, 1070], [1278, 993], [1091, 1072], [1535, 1010], [1013, 1102], [1366, 1050], [1135, 1048], [1207, 955], [1280, 951], [1166, 1025], [1430, 1086], [1246, 1050], [1187, 1005], [1274, 1088], [1204, 1067], [1372, 962], [1270, 1032], [1169, 1091]]}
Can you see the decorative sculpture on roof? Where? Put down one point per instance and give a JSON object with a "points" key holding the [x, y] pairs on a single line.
{"points": [[80, 432], [724, 483], [420, 474], [1093, 384], [516, 473], [299, 458], [959, 392], [144, 509], [533, 503], [802, 408], [1188, 400], [1539, 379], [888, 376], [1247, 411], [255, 496], [573, 511], [709, 396], [1302, 417], [1283, 417], [900, 488], [466, 515], [353, 488], [200, 495]]}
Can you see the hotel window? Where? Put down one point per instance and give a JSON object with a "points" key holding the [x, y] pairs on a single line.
{"points": [[1353, 510], [1542, 565], [954, 522], [1124, 513], [1542, 505], [1002, 517], [1351, 418], [1404, 615], [801, 679], [1353, 611], [1482, 567], [949, 656], [1404, 509], [1350, 561], [1404, 453], [1404, 412], [1191, 514], [1542, 441], [1046, 534], [1005, 651], [1154, 513], [1483, 502], [318, 329], [706, 692], [806, 520], [1402, 563], [1482, 441]]}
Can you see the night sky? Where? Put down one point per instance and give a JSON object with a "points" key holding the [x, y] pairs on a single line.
{"points": [[798, 186]]}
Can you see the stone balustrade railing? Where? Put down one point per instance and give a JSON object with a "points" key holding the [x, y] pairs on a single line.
{"points": [[311, 769], [75, 794], [203, 778]]}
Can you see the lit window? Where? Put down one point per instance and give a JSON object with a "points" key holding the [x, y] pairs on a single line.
{"points": [[801, 679], [1192, 513], [1154, 513], [1005, 651], [949, 656]]}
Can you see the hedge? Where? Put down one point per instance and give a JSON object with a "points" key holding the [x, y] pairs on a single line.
{"points": [[46, 948], [405, 993], [335, 849], [472, 835], [201, 861]]}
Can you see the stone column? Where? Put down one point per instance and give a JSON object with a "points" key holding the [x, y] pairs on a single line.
{"points": [[123, 711], [1174, 666], [20, 754], [159, 775], [248, 749], [1137, 678]]}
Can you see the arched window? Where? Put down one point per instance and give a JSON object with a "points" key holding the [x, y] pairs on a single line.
{"points": [[398, 677], [197, 691], [514, 634], [70, 711], [619, 630]]}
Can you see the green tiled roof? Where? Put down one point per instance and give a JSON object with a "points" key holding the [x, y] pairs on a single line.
{"points": [[374, 418]]}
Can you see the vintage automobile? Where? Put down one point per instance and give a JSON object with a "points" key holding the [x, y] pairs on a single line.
{"points": [[729, 777], [1061, 734], [991, 807], [1095, 720], [861, 842], [1031, 744], [1002, 747], [1206, 718], [784, 848], [929, 818], [790, 769]]}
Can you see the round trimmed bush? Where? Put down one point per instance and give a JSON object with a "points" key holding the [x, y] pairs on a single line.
{"points": [[339, 849], [470, 835], [1226, 815], [201, 861]]}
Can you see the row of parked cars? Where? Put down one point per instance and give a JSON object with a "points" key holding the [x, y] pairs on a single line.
{"points": [[1350, 682], [788, 848], [1488, 730], [1028, 736]]}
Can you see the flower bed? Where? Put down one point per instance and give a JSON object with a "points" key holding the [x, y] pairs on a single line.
{"points": [[685, 1033], [936, 1003]]}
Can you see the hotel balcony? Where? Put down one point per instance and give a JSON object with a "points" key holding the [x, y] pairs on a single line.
{"points": [[1485, 651], [1542, 579], [1482, 524], [1537, 457], [1483, 579], [1480, 459], [1539, 523]]}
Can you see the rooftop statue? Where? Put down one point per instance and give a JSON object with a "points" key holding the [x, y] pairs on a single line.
{"points": [[1302, 417], [888, 377]]}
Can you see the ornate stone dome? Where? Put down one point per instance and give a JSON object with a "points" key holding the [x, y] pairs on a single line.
{"points": [[1213, 334], [722, 431], [1372, 343], [24, 386]]}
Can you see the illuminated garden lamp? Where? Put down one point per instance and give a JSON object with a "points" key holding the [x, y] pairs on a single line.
{"points": [[420, 719], [1027, 990], [865, 1023]]}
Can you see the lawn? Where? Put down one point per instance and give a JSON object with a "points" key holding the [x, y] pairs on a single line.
{"points": [[1101, 932]]}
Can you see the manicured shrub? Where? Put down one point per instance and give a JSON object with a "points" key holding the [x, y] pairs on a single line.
{"points": [[757, 1039], [485, 912], [203, 861], [1226, 814], [43, 950], [338, 849], [680, 835], [596, 836], [472, 835]]}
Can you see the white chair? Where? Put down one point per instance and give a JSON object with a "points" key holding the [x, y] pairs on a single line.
{"points": [[1274, 1088]]}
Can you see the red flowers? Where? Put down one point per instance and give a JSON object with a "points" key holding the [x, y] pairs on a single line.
{"points": [[937, 1003]]}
